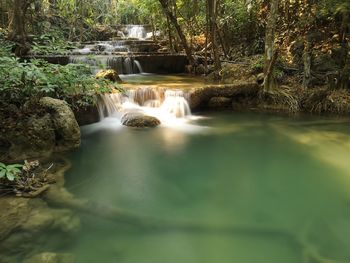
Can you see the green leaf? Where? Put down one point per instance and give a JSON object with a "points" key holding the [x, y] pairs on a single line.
{"points": [[2, 173], [14, 170], [15, 166], [10, 176], [2, 165]]}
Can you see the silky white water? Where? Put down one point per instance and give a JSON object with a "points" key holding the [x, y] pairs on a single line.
{"points": [[169, 106]]}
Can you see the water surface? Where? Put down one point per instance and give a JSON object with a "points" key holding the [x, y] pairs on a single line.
{"points": [[238, 187], [177, 81]]}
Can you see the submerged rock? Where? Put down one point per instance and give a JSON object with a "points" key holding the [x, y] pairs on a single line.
{"points": [[28, 224], [50, 257], [137, 119]]}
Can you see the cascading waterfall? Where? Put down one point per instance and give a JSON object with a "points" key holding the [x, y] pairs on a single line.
{"points": [[108, 54], [137, 31], [176, 104], [109, 104], [166, 105], [123, 65], [138, 65], [95, 63], [103, 48]]}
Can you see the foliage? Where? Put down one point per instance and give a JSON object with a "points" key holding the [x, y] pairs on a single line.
{"points": [[258, 65], [21, 81], [28, 180], [10, 171], [51, 43]]}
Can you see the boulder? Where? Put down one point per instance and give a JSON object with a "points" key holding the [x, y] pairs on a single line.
{"points": [[67, 131], [29, 137], [86, 115], [109, 74], [51, 128], [219, 102], [139, 120]]}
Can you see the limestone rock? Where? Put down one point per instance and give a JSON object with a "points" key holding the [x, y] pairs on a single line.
{"points": [[110, 74], [52, 128], [137, 119], [219, 102], [66, 128], [28, 224], [30, 137]]}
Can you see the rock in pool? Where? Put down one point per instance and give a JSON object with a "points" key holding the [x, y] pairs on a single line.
{"points": [[139, 120]]}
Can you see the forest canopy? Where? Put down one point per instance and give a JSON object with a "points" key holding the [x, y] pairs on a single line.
{"points": [[303, 34]]}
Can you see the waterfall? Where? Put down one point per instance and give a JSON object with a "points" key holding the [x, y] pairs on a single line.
{"points": [[138, 65], [176, 104], [109, 104], [96, 63], [166, 105], [123, 65], [137, 31]]}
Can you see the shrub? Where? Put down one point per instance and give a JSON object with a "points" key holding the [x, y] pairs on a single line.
{"points": [[22, 81], [10, 171]]}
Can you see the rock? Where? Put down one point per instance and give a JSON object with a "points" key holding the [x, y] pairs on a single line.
{"points": [[28, 224], [109, 74], [200, 69], [33, 136], [87, 115], [325, 63], [67, 131], [219, 102], [137, 119], [50, 257], [52, 128], [200, 97]]}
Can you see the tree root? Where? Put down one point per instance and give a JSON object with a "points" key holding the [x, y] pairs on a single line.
{"points": [[281, 96]]}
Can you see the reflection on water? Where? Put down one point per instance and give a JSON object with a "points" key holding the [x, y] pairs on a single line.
{"points": [[326, 143], [245, 188], [180, 81]]}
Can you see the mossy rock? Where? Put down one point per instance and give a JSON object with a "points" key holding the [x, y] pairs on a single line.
{"points": [[139, 120], [109, 74]]}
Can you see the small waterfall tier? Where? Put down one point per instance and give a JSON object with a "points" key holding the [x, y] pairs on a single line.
{"points": [[166, 105], [122, 64], [136, 31]]}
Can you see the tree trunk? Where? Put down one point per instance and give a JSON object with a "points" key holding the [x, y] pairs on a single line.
{"points": [[344, 82], [171, 46], [307, 56], [206, 37], [173, 19], [270, 52], [212, 11], [17, 29]]}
